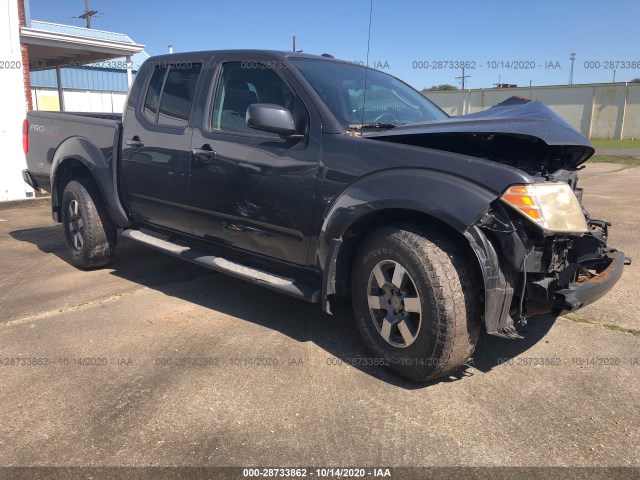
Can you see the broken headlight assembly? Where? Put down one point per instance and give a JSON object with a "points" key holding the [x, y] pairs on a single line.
{"points": [[551, 205]]}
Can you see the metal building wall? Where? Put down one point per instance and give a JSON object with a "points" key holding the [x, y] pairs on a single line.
{"points": [[596, 111], [79, 100], [82, 78]]}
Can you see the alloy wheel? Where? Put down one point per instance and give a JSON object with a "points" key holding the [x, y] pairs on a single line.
{"points": [[394, 303], [75, 224]]}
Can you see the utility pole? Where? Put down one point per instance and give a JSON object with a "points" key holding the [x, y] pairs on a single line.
{"points": [[614, 75], [87, 14], [462, 77], [573, 59]]}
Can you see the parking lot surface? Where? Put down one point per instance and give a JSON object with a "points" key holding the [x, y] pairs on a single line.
{"points": [[155, 361]]}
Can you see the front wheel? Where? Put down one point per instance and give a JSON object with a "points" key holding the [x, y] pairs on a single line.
{"points": [[88, 229], [414, 300]]}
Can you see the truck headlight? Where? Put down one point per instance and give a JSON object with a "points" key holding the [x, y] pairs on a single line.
{"points": [[552, 206]]}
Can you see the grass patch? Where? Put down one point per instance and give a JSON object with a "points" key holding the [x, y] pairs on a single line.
{"points": [[609, 326], [630, 160], [608, 143]]}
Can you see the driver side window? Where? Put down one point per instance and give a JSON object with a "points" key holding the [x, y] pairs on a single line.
{"points": [[240, 85]]}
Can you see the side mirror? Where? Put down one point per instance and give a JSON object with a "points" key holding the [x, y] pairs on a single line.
{"points": [[272, 118]]}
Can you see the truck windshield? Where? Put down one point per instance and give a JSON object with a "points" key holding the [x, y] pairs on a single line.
{"points": [[387, 102]]}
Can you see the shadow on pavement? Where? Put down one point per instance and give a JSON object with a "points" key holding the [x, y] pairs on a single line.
{"points": [[335, 334], [493, 351]]}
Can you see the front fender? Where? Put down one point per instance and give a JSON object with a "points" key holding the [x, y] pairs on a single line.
{"points": [[451, 199], [448, 198]]}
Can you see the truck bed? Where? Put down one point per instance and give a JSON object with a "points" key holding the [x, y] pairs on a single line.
{"points": [[104, 116], [52, 133]]}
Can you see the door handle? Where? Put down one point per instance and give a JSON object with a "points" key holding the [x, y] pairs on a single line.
{"points": [[204, 154], [135, 143]]}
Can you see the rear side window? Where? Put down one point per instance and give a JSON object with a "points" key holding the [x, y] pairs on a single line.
{"points": [[178, 94], [151, 101], [170, 94]]}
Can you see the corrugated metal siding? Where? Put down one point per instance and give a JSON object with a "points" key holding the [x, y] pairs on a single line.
{"points": [[136, 60], [83, 78]]}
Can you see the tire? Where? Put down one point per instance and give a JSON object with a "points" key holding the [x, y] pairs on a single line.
{"points": [[436, 300], [88, 229]]}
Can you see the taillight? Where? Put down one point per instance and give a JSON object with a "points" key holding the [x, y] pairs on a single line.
{"points": [[25, 136]]}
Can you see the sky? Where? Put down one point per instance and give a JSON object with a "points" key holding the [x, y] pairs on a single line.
{"points": [[499, 41]]}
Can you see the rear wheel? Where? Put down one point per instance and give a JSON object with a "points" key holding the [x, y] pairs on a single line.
{"points": [[415, 303], [88, 229]]}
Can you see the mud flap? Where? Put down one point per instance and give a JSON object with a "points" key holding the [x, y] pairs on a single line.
{"points": [[498, 287]]}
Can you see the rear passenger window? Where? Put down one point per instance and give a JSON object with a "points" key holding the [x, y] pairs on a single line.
{"points": [[178, 94], [150, 108]]}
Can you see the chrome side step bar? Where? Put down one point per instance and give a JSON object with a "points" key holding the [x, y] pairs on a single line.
{"points": [[269, 280]]}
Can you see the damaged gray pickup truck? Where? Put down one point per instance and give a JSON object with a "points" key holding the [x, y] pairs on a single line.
{"points": [[336, 184]]}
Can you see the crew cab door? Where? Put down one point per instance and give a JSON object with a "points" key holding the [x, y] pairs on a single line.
{"points": [[254, 191], [156, 147]]}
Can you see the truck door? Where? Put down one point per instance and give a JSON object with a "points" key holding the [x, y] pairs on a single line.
{"points": [[156, 146], [255, 191]]}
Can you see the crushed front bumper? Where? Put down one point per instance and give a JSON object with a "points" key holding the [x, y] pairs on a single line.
{"points": [[579, 294], [589, 272]]}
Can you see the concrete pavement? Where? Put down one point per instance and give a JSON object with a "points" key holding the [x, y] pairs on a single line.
{"points": [[612, 192], [158, 362]]}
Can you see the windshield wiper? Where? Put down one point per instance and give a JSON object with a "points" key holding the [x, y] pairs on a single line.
{"points": [[373, 126]]}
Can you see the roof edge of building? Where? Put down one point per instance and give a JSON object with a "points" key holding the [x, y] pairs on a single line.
{"points": [[97, 30]]}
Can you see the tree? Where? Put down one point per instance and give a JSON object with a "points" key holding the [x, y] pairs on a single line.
{"points": [[635, 80], [441, 87]]}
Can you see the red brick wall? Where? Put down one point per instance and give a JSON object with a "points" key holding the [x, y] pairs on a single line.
{"points": [[21, 16], [24, 50]]}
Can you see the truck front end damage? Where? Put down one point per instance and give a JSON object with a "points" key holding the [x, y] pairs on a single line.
{"points": [[538, 248], [528, 270]]}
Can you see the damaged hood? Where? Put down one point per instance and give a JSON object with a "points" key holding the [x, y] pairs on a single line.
{"points": [[527, 123]]}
